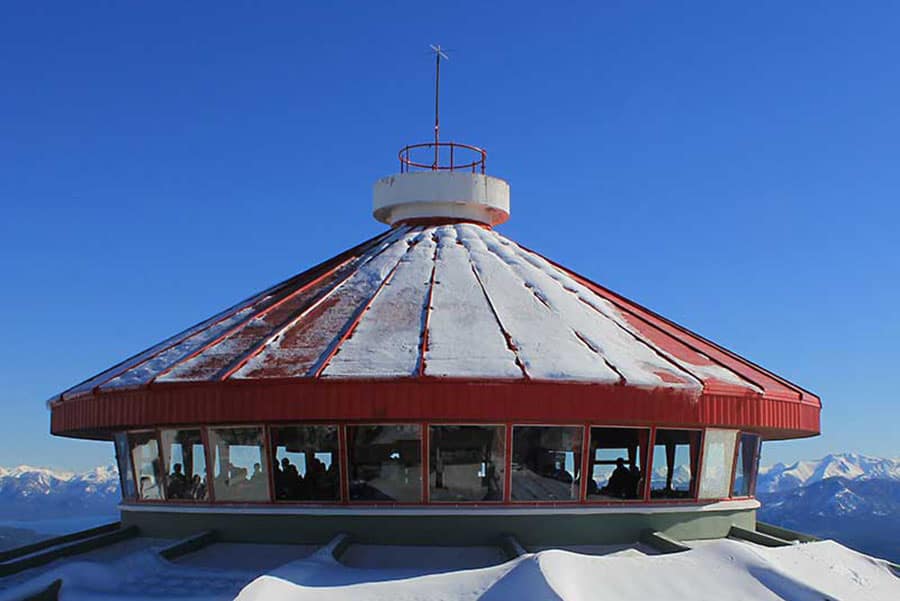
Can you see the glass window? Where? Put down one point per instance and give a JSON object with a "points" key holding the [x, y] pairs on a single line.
{"points": [[465, 463], [240, 466], [123, 460], [185, 465], [618, 458], [747, 466], [674, 464], [718, 457], [385, 463], [546, 463], [306, 463], [145, 457]]}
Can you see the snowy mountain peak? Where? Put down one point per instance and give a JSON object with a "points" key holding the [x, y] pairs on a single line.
{"points": [[27, 492], [851, 466], [31, 471]]}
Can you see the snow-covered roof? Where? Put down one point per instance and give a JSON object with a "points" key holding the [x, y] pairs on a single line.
{"points": [[442, 301]]}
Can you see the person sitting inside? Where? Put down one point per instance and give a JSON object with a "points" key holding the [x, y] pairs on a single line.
{"points": [[176, 486], [619, 482], [198, 488], [289, 481], [636, 484]]}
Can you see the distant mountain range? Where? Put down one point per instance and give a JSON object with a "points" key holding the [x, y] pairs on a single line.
{"points": [[34, 493], [849, 497], [851, 466]]}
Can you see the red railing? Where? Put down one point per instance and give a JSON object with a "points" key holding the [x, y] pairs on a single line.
{"points": [[473, 158]]}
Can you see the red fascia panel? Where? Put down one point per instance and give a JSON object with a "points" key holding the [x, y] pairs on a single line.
{"points": [[425, 399]]}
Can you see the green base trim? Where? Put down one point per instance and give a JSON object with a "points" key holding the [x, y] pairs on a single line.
{"points": [[51, 593], [512, 547], [337, 546], [663, 543], [189, 545], [66, 550], [757, 537], [447, 529], [57, 540], [789, 535]]}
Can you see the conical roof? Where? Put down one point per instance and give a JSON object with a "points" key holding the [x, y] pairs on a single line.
{"points": [[449, 301]]}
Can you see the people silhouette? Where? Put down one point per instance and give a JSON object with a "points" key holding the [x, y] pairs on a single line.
{"points": [[176, 485], [619, 481]]}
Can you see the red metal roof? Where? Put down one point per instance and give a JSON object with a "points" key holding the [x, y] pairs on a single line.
{"points": [[457, 304]]}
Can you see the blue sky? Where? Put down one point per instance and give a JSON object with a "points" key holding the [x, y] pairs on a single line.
{"points": [[732, 167]]}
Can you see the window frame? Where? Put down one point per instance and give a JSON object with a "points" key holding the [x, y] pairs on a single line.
{"points": [[134, 472], [340, 463], [505, 431], [648, 456], [203, 441], [702, 461], [123, 478], [695, 474], [757, 453], [212, 466], [506, 428], [579, 499], [423, 429]]}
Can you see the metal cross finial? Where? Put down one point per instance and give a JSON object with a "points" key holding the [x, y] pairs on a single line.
{"points": [[439, 53]]}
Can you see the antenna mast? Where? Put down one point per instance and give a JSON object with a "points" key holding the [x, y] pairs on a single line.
{"points": [[438, 55], [414, 156]]}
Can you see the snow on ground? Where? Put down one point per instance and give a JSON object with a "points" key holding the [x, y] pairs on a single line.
{"points": [[723, 569], [714, 570], [425, 559], [258, 558], [132, 570], [631, 550]]}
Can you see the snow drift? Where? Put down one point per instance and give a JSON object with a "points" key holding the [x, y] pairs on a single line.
{"points": [[715, 570]]}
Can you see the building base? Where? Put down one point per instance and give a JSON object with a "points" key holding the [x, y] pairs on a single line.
{"points": [[533, 527]]}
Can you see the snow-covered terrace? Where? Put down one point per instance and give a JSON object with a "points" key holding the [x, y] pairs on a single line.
{"points": [[714, 570]]}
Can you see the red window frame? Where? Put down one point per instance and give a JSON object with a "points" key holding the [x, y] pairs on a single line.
{"points": [[505, 431], [545, 502], [424, 428], [340, 464]]}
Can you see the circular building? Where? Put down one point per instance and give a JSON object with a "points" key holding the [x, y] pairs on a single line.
{"points": [[437, 383]]}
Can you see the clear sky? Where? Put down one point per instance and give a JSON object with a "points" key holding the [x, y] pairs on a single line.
{"points": [[732, 167]]}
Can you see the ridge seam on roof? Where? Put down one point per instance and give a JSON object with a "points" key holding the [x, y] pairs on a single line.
{"points": [[173, 341], [674, 361], [518, 269], [242, 324], [584, 282], [387, 240], [423, 339], [506, 335], [618, 302], [622, 379], [647, 343], [328, 355], [191, 331]]}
